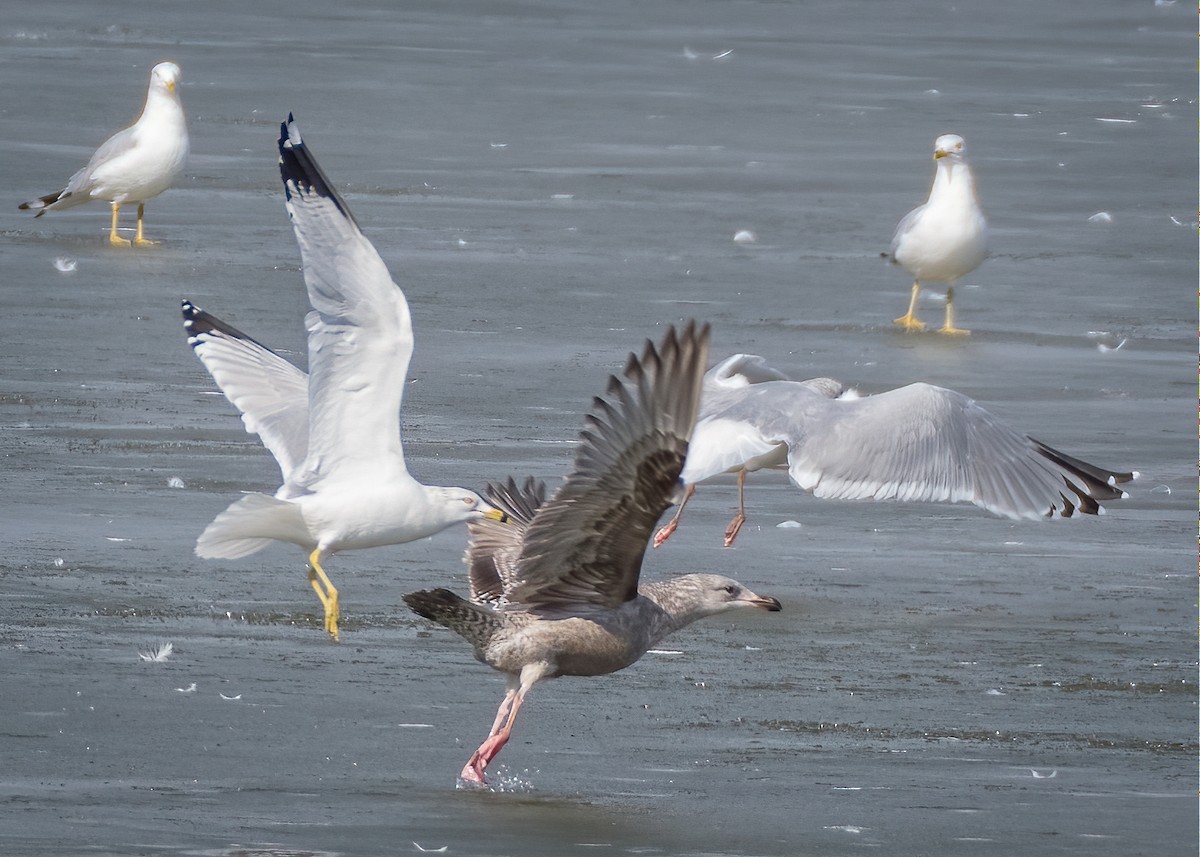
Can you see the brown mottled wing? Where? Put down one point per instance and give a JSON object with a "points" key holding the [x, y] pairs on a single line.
{"points": [[494, 547], [585, 546]]}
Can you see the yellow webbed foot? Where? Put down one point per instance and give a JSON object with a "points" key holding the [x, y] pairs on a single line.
{"points": [[140, 240], [332, 614], [113, 238], [910, 323], [949, 328]]}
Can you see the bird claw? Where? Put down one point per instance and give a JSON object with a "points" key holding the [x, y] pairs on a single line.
{"points": [[662, 535]]}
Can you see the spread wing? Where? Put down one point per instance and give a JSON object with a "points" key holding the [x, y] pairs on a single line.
{"points": [[927, 443], [271, 393], [585, 546], [738, 427], [360, 335]]}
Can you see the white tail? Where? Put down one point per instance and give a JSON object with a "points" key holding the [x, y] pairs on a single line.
{"points": [[249, 525]]}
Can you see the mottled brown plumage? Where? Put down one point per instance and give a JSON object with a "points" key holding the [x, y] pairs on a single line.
{"points": [[554, 591]]}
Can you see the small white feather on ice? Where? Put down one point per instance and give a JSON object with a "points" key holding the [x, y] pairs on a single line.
{"points": [[158, 654]]}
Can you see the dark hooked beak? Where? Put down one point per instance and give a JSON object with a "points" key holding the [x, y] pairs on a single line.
{"points": [[766, 602]]}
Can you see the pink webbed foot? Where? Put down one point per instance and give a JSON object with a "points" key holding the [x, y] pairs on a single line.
{"points": [[735, 526], [472, 777], [665, 533]]}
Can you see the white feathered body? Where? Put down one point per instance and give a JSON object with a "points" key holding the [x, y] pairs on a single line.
{"points": [[947, 237], [136, 164], [335, 432]]}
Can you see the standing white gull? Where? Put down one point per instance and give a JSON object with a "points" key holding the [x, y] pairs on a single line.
{"points": [[336, 431], [134, 165], [555, 592], [915, 443], [944, 239]]}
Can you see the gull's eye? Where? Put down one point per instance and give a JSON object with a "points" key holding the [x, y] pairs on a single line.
{"points": [[470, 501], [730, 589]]}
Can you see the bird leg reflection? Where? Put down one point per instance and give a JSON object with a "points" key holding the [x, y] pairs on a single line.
{"points": [[909, 320], [113, 238], [665, 533], [740, 518], [948, 328], [326, 591]]}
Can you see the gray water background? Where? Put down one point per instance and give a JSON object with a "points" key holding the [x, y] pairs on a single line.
{"points": [[551, 183]]}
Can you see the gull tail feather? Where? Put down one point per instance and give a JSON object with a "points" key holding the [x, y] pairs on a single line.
{"points": [[473, 622], [44, 203], [249, 525]]}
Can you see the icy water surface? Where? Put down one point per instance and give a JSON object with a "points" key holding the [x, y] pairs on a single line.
{"points": [[552, 183]]}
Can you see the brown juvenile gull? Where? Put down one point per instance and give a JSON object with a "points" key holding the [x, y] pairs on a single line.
{"points": [[133, 165], [555, 592], [335, 432], [915, 443], [944, 239]]}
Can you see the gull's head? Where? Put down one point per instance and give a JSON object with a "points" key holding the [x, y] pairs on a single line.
{"points": [[165, 75], [949, 146], [709, 594], [464, 505]]}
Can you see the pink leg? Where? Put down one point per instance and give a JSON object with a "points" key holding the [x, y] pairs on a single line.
{"points": [[665, 533], [740, 518], [473, 771]]}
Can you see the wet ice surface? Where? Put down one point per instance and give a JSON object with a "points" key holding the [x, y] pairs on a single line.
{"points": [[551, 184]]}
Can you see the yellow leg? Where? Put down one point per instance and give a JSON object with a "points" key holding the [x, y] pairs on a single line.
{"points": [[325, 591], [113, 238], [948, 328], [909, 320], [139, 240]]}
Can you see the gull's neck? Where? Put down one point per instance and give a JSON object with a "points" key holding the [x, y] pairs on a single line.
{"points": [[674, 604], [161, 101], [952, 181]]}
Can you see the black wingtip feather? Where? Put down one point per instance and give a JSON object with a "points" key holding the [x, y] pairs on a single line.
{"points": [[1088, 483], [299, 169], [197, 322], [1097, 483], [1089, 471]]}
